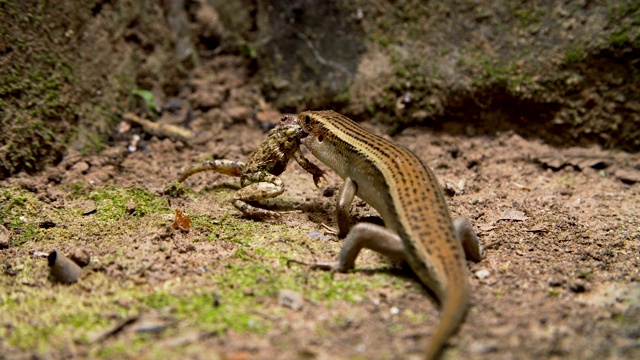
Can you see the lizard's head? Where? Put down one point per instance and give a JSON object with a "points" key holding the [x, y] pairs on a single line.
{"points": [[310, 122], [315, 123]]}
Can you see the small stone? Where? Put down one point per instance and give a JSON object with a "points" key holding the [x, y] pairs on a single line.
{"points": [[4, 238], [628, 175], [578, 286], [329, 191], [47, 224], [55, 176], [81, 256], [79, 167], [291, 299], [87, 207], [483, 348], [513, 214], [131, 207], [481, 274]]}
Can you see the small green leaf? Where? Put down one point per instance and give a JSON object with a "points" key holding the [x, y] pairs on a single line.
{"points": [[147, 96], [247, 51]]}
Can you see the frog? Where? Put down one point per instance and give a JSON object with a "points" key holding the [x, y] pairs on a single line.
{"points": [[259, 176]]}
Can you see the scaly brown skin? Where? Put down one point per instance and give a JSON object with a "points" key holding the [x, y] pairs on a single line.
{"points": [[259, 176], [417, 224]]}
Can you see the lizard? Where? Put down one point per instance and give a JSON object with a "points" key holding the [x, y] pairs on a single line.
{"points": [[259, 175], [418, 227]]}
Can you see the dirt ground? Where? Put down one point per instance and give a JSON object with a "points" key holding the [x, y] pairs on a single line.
{"points": [[560, 231]]}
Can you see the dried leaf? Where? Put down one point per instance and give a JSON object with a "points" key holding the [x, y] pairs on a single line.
{"points": [[523, 187], [487, 227], [579, 158], [513, 214], [160, 130], [182, 222]]}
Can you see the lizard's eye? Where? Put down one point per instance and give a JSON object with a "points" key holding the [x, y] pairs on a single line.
{"points": [[307, 119], [320, 138]]}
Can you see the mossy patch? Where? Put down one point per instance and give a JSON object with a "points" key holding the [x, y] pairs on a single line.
{"points": [[113, 202], [237, 292]]}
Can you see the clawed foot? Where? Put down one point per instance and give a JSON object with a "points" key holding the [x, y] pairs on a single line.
{"points": [[317, 177], [319, 265]]}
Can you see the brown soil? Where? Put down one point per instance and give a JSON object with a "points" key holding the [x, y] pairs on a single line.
{"points": [[560, 227], [560, 231]]}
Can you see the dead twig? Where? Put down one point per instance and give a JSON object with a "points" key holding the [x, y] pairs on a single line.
{"points": [[160, 130]]}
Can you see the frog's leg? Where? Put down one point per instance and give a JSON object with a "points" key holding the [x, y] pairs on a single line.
{"points": [[308, 166], [227, 167], [255, 187]]}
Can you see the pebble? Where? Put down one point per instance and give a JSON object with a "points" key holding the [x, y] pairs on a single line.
{"points": [[81, 256], [481, 274], [291, 299]]}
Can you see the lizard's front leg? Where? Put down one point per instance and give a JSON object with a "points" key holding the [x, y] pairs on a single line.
{"points": [[369, 236], [255, 187], [343, 204], [468, 238]]}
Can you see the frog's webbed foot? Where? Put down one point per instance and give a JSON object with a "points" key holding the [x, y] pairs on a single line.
{"points": [[254, 212], [258, 186]]}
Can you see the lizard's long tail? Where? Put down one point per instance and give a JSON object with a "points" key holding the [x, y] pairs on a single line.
{"points": [[454, 307]]}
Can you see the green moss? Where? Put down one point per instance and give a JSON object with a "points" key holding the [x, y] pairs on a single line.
{"points": [[624, 9], [19, 209], [619, 38], [43, 323], [233, 305], [530, 16], [574, 55], [381, 39], [118, 350], [237, 293], [77, 189], [495, 73], [112, 202], [526, 14], [174, 189]]}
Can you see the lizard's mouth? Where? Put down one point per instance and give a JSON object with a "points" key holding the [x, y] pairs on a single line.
{"points": [[304, 140], [303, 134]]}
